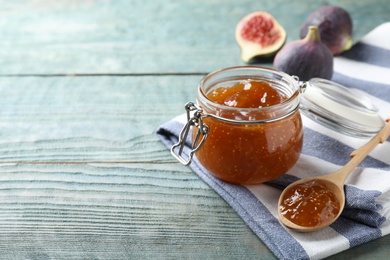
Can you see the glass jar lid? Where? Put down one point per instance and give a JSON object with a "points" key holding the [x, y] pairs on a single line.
{"points": [[346, 110]]}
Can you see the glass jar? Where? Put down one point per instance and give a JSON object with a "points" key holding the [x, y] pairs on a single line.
{"points": [[244, 145]]}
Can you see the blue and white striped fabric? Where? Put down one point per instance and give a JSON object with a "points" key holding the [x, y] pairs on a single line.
{"points": [[367, 214]]}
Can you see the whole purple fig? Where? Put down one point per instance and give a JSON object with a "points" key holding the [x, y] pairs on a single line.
{"points": [[334, 25], [306, 58]]}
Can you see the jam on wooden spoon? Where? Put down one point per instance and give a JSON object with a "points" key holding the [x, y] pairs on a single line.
{"points": [[314, 203]]}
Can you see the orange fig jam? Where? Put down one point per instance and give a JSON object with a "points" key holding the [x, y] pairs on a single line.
{"points": [[249, 153], [310, 204]]}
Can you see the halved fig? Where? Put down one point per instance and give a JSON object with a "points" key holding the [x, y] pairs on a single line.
{"points": [[259, 35]]}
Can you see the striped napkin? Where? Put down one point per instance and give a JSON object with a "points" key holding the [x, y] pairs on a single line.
{"points": [[367, 213]]}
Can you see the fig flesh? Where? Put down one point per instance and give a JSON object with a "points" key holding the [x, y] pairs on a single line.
{"points": [[334, 25], [259, 35], [306, 58]]}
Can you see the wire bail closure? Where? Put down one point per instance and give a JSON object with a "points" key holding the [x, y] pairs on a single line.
{"points": [[194, 119]]}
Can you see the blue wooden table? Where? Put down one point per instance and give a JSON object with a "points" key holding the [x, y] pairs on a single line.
{"points": [[84, 85]]}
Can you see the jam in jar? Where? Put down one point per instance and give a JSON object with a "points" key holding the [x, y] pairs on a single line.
{"points": [[250, 124]]}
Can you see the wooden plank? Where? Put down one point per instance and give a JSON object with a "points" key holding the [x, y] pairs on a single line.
{"points": [[116, 211], [73, 37], [88, 118]]}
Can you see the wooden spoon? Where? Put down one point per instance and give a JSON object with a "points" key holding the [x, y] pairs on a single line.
{"points": [[335, 181]]}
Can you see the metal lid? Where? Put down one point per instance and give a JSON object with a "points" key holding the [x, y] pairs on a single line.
{"points": [[346, 110]]}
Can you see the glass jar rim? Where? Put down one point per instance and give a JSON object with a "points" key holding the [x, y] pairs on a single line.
{"points": [[283, 79]]}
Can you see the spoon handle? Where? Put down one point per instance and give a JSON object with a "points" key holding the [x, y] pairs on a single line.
{"points": [[380, 137], [359, 154]]}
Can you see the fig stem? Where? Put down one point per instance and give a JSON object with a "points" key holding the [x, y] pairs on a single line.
{"points": [[348, 44], [313, 34]]}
